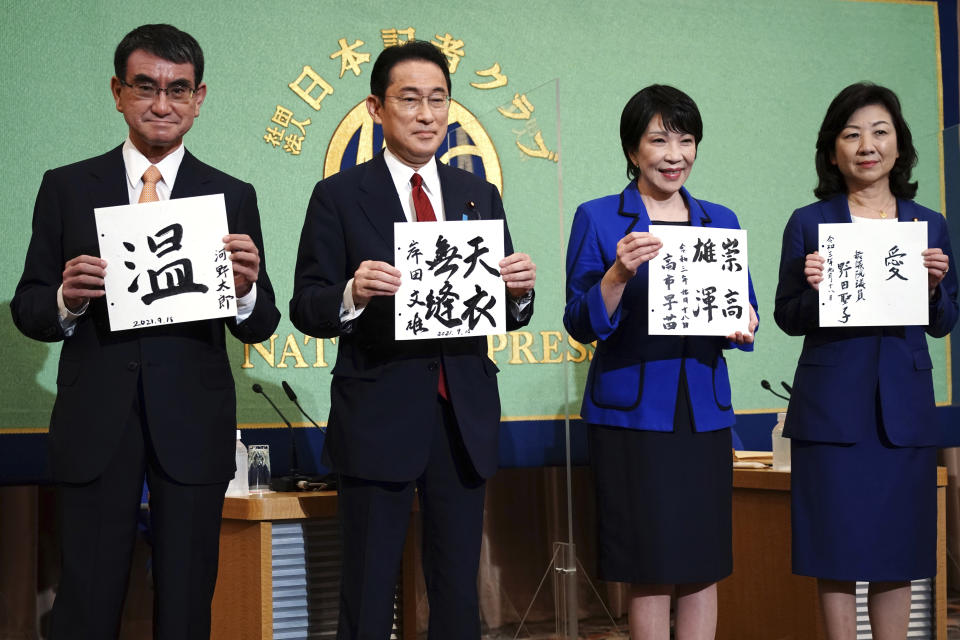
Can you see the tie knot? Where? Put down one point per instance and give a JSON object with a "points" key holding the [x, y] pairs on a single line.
{"points": [[150, 178], [152, 175], [416, 180]]}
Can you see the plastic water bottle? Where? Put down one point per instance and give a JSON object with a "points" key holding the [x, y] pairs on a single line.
{"points": [[238, 486], [781, 445]]}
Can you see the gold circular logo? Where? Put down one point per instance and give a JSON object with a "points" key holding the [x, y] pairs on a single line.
{"points": [[467, 146]]}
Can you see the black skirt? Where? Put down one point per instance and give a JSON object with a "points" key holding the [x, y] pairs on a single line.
{"points": [[663, 501]]}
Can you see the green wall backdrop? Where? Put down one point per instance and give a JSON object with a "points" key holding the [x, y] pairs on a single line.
{"points": [[761, 72]]}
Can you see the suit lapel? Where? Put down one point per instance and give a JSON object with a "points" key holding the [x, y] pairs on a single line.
{"points": [[835, 209], [191, 178], [632, 210], [698, 215], [109, 181], [378, 199], [907, 211], [194, 178], [458, 201]]}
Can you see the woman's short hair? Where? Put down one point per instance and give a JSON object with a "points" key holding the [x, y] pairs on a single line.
{"points": [[856, 96], [677, 110]]}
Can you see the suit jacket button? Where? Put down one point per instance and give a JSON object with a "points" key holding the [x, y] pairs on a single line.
{"points": [[132, 366], [432, 366]]}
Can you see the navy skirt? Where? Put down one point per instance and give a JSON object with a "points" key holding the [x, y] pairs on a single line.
{"points": [[663, 502], [866, 511]]}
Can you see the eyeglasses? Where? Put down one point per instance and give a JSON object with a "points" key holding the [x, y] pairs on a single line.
{"points": [[149, 91], [412, 102]]}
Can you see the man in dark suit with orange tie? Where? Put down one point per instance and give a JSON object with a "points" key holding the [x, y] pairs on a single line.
{"points": [[157, 402], [404, 415]]}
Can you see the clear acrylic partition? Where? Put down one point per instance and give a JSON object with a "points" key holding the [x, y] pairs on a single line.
{"points": [[949, 144], [950, 167], [938, 176], [531, 578]]}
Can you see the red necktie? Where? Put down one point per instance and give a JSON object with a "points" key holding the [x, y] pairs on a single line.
{"points": [[420, 200], [425, 214]]}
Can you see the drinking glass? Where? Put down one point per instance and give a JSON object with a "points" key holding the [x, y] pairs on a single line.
{"points": [[258, 468]]}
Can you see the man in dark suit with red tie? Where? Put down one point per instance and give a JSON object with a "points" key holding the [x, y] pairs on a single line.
{"points": [[157, 402], [404, 415]]}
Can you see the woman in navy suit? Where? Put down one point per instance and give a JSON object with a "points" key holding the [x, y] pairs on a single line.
{"points": [[861, 417], [659, 407]]}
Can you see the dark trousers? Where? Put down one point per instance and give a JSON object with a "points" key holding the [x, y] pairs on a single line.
{"points": [[374, 518], [98, 529]]}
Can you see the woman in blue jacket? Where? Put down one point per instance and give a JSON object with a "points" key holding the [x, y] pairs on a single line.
{"points": [[659, 407], [861, 417]]}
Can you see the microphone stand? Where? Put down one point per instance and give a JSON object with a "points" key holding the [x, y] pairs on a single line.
{"points": [[328, 481], [293, 398], [766, 385], [294, 480]]}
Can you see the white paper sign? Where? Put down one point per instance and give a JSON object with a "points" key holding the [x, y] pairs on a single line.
{"points": [[450, 279], [698, 283], [874, 274], [166, 262]]}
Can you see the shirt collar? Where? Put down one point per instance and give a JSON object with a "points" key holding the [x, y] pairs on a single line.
{"points": [[401, 173], [136, 164]]}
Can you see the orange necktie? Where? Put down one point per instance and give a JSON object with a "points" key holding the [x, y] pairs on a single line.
{"points": [[425, 214], [150, 179]]}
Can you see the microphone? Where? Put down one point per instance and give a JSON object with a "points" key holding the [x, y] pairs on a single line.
{"points": [[787, 387], [288, 482], [766, 385], [323, 484], [293, 398]]}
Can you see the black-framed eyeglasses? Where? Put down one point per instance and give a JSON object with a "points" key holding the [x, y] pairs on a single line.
{"points": [[150, 91], [412, 101]]}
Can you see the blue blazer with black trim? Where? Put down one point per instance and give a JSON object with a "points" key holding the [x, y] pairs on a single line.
{"points": [[634, 376], [841, 369]]}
